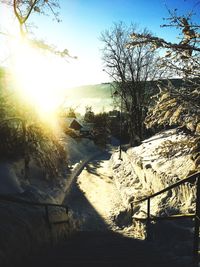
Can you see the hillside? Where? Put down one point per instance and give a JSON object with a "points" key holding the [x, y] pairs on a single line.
{"points": [[97, 96], [154, 165], [102, 90]]}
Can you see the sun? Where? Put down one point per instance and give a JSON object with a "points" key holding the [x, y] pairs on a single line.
{"points": [[40, 77]]}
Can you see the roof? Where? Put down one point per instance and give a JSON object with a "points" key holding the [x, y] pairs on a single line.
{"points": [[71, 122]]}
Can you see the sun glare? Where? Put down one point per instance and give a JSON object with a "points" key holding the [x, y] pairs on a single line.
{"points": [[42, 78], [39, 77]]}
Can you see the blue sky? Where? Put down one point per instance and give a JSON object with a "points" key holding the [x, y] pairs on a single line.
{"points": [[84, 20]]}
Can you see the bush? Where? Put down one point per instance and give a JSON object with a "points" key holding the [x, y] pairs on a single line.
{"points": [[23, 135]]}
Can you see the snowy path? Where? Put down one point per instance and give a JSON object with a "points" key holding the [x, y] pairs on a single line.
{"points": [[95, 200], [105, 249], [93, 197]]}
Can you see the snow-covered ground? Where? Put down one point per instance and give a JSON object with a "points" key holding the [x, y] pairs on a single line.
{"points": [[143, 170], [110, 185], [24, 228], [78, 149], [101, 196], [96, 183], [12, 177], [96, 201], [150, 167]]}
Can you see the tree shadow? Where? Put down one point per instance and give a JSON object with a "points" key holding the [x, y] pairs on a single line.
{"points": [[107, 249], [96, 245], [95, 164], [83, 211], [92, 168]]}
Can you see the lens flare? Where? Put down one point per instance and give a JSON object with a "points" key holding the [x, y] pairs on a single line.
{"points": [[39, 77]]}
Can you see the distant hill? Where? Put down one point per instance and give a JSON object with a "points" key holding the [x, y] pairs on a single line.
{"points": [[99, 97], [102, 90]]}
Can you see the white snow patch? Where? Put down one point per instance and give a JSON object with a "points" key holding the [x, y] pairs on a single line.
{"points": [[143, 171], [78, 149]]}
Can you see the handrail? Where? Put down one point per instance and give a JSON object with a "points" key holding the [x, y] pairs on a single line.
{"points": [[12, 199], [170, 218], [196, 215], [31, 203], [187, 179]]}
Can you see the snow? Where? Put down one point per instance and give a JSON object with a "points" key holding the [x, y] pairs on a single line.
{"points": [[19, 219], [8, 180], [98, 188], [114, 184], [78, 149], [106, 187], [144, 171], [96, 200], [12, 173]]}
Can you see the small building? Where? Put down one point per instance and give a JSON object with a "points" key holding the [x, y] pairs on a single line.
{"points": [[73, 123]]}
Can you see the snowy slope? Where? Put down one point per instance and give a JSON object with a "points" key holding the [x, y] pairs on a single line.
{"points": [[12, 173], [145, 170], [79, 149]]}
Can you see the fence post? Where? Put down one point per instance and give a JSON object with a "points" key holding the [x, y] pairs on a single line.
{"points": [[196, 226], [148, 225], [47, 216], [66, 209]]}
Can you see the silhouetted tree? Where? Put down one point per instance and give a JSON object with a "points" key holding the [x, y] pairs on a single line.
{"points": [[89, 114], [101, 128], [130, 69], [71, 113]]}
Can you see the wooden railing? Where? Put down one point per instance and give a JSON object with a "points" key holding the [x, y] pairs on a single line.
{"points": [[45, 205], [192, 178]]}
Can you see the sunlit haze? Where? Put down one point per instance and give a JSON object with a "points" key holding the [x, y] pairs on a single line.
{"points": [[42, 77]]}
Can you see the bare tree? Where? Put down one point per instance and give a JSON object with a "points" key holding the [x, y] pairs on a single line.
{"points": [[21, 132], [24, 8], [177, 106], [130, 69], [181, 58]]}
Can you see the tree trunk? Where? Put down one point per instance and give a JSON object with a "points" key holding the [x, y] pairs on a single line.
{"points": [[26, 154]]}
